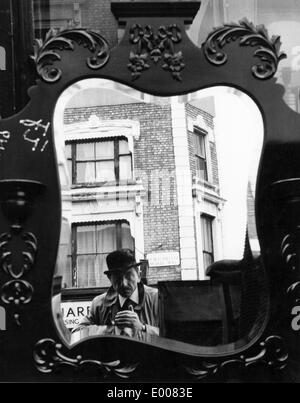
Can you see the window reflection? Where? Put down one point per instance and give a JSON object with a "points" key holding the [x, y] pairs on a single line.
{"points": [[89, 246], [102, 161], [200, 153], [207, 240], [171, 179]]}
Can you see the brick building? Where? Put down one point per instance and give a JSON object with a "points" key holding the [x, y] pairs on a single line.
{"points": [[160, 192], [62, 14]]}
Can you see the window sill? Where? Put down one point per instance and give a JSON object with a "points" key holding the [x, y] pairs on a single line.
{"points": [[126, 182], [206, 184], [208, 190], [105, 191]]}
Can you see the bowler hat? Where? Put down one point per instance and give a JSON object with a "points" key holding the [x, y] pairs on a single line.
{"points": [[120, 260]]}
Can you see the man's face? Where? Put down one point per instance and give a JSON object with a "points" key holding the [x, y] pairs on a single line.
{"points": [[124, 283]]}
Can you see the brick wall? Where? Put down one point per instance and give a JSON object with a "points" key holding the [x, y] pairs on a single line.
{"points": [[154, 163], [92, 14], [193, 112], [97, 16]]}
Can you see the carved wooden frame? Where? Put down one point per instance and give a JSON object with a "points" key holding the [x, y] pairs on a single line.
{"points": [[155, 56]]}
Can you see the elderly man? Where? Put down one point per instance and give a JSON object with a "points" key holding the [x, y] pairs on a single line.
{"points": [[129, 307]]}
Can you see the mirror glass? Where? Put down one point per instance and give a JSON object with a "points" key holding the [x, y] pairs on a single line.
{"points": [[169, 183]]}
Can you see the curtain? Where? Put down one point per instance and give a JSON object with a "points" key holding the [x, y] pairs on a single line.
{"points": [[106, 243], [127, 239], [199, 140], [207, 233], [95, 162], [93, 245], [105, 150], [86, 250], [105, 171], [124, 161], [125, 167], [85, 170]]}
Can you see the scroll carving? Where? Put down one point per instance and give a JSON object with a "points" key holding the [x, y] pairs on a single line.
{"points": [[268, 48], [45, 53], [49, 358], [17, 291], [272, 353], [290, 255]]}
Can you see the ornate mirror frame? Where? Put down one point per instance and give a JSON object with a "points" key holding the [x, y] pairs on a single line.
{"points": [[157, 57]]}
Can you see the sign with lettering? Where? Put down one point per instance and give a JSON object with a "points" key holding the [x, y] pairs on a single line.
{"points": [[73, 312], [296, 320], [164, 258]]}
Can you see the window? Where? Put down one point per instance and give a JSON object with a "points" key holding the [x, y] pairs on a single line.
{"points": [[207, 240], [41, 9], [90, 246], [99, 161], [55, 14], [200, 153]]}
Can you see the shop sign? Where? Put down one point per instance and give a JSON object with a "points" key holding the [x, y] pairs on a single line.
{"points": [[73, 312], [164, 258]]}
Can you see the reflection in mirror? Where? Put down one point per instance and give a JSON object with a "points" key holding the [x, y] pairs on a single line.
{"points": [[168, 183]]}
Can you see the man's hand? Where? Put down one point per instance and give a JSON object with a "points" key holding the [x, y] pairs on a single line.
{"points": [[128, 319]]}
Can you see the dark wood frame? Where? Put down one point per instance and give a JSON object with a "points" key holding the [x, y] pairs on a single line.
{"points": [[238, 55]]}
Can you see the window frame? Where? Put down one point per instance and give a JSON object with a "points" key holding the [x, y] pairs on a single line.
{"points": [[74, 255], [116, 141], [197, 132], [205, 252]]}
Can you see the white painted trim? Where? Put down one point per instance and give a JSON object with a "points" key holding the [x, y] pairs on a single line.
{"points": [[208, 193], [184, 191], [94, 124], [95, 128], [107, 192], [194, 30], [213, 208]]}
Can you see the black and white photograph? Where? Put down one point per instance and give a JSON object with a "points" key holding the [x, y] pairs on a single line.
{"points": [[149, 194]]}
